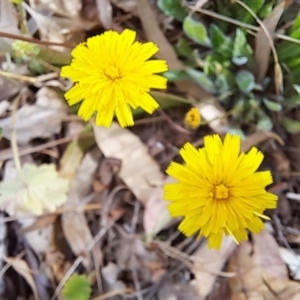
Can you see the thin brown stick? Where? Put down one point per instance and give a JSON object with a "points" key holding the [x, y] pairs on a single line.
{"points": [[33, 40]]}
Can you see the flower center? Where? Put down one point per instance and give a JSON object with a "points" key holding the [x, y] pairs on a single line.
{"points": [[112, 73], [221, 191]]}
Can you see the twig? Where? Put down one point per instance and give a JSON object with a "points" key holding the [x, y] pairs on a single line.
{"points": [[113, 293], [60, 211], [33, 40]]}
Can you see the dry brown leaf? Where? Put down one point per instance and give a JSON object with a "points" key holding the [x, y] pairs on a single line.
{"points": [[8, 23], [58, 29], [41, 120], [74, 224], [139, 171], [23, 269], [262, 44], [292, 260], [261, 273], [210, 264], [105, 11], [129, 6], [259, 137], [65, 8]]}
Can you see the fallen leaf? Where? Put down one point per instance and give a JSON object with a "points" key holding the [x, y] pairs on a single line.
{"points": [[58, 29], [259, 137], [156, 215], [23, 269], [74, 224], [8, 23], [111, 273], [8, 89], [105, 11], [292, 260], [36, 189], [61, 7], [129, 6], [139, 171], [210, 264], [215, 115], [262, 44], [261, 272], [41, 120]]}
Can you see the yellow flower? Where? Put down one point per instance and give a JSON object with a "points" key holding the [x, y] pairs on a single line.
{"points": [[219, 191], [192, 118], [112, 74]]}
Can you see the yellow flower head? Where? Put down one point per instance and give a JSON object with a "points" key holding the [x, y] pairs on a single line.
{"points": [[219, 191], [192, 119], [112, 74]]}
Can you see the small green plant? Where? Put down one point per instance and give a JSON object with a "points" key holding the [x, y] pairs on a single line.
{"points": [[78, 287], [220, 58]]}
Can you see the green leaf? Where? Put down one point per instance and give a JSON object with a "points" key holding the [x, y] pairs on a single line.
{"points": [[78, 287], [290, 125], [196, 31], [264, 122], [220, 42], [287, 51], [254, 5], [217, 36], [173, 8], [221, 84], [245, 81], [241, 49], [271, 105], [184, 49], [296, 24], [265, 11], [292, 102], [175, 75], [202, 79]]}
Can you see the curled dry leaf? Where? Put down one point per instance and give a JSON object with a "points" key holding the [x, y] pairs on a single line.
{"points": [[36, 189], [261, 272], [210, 264], [41, 120], [139, 171]]}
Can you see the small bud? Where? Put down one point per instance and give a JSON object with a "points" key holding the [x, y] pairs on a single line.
{"points": [[192, 119]]}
